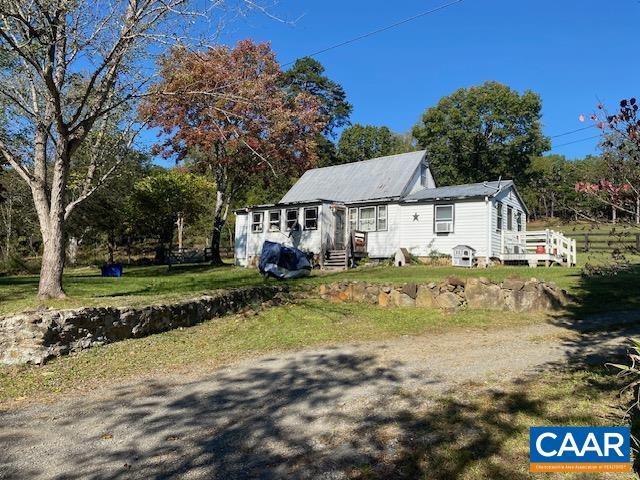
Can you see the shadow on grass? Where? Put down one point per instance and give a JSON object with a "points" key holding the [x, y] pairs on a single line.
{"points": [[304, 416]]}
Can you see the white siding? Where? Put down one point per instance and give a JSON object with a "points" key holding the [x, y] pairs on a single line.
{"points": [[383, 244], [508, 198], [414, 184], [240, 247], [418, 235]]}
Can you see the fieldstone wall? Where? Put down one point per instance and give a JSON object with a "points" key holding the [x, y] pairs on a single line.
{"points": [[478, 293], [35, 337]]}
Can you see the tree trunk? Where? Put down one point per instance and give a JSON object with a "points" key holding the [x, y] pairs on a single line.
{"points": [[52, 263], [72, 250], [180, 225], [111, 247], [219, 219], [637, 209], [614, 214]]}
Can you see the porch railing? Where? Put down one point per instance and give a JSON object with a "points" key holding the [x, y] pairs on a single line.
{"points": [[548, 243]]}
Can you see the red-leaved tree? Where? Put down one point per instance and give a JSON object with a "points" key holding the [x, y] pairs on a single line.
{"points": [[621, 150], [225, 110]]}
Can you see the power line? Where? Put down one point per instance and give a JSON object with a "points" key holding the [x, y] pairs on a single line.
{"points": [[379, 30], [575, 141], [572, 131]]}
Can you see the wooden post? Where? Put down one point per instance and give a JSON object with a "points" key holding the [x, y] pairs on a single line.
{"points": [[586, 242], [638, 242]]}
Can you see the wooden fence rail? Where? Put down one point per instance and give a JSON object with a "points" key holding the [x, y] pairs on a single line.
{"points": [[607, 242]]}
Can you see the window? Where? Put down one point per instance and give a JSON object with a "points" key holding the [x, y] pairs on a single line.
{"points": [[256, 221], [443, 219], [292, 218], [509, 218], [423, 175], [367, 220], [274, 221], [311, 218], [519, 221], [499, 219], [382, 217], [353, 219]]}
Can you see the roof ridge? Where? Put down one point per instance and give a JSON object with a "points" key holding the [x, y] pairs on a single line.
{"points": [[365, 161]]}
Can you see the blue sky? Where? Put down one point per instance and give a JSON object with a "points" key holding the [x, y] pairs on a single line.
{"points": [[570, 52]]}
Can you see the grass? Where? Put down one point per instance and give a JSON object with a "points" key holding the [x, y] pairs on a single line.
{"points": [[483, 434], [147, 285], [218, 342]]}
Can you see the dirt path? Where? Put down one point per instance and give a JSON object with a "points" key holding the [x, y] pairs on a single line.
{"points": [[269, 417]]}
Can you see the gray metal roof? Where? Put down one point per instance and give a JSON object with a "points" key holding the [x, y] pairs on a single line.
{"points": [[470, 190], [384, 177]]}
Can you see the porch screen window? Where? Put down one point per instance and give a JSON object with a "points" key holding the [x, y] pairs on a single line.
{"points": [[274, 221], [367, 221], [256, 221], [311, 218], [443, 219], [353, 219], [292, 218], [499, 218], [509, 218], [519, 221], [382, 217]]}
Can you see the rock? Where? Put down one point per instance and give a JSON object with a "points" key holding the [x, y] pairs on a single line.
{"points": [[358, 291], [513, 284], [323, 290], [448, 300], [481, 295], [386, 289], [400, 299], [384, 299], [410, 289], [425, 297], [455, 281]]}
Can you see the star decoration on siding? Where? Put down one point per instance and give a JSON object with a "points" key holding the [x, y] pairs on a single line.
{"points": [[415, 217]]}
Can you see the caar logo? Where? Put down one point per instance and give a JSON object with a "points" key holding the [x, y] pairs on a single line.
{"points": [[579, 449]]}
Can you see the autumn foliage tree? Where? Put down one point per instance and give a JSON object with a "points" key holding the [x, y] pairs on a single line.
{"points": [[621, 151], [224, 110]]}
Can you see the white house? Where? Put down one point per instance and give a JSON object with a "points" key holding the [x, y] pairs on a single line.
{"points": [[396, 202]]}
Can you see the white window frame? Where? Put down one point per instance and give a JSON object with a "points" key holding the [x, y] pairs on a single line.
{"points": [[310, 209], [275, 225], [286, 218], [499, 219], [373, 219], [257, 226], [509, 218], [519, 221], [382, 218], [450, 222], [353, 219]]}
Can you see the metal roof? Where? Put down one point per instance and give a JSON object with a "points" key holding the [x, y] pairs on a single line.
{"points": [[384, 177], [470, 190]]}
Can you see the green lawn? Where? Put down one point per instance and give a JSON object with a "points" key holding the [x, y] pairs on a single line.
{"points": [[147, 285], [216, 342]]}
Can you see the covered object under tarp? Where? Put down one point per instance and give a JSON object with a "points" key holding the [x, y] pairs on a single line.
{"points": [[283, 262]]}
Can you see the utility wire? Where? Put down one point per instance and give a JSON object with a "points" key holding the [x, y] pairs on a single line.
{"points": [[379, 30], [575, 141], [572, 131]]}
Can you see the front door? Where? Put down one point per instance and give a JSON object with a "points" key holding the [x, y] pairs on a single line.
{"points": [[339, 229]]}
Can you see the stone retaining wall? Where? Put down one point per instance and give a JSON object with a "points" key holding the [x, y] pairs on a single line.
{"points": [[35, 337], [478, 293]]}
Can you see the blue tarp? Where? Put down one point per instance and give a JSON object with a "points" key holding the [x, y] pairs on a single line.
{"points": [[283, 262], [112, 270]]}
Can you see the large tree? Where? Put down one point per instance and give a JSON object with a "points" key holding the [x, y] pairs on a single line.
{"points": [[224, 110], [481, 133], [74, 67], [360, 142]]}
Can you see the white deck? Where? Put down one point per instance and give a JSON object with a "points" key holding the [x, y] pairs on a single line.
{"points": [[546, 246]]}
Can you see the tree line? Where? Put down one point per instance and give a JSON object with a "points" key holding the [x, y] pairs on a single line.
{"points": [[77, 91]]}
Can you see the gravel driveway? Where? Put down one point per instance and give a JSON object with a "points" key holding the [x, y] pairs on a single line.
{"points": [[307, 414]]}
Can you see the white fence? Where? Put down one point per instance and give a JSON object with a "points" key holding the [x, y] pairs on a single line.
{"points": [[547, 245]]}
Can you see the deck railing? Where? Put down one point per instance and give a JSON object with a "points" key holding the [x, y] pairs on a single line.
{"points": [[546, 243]]}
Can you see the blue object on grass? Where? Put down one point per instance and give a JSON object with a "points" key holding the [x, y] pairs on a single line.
{"points": [[112, 270], [283, 262]]}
